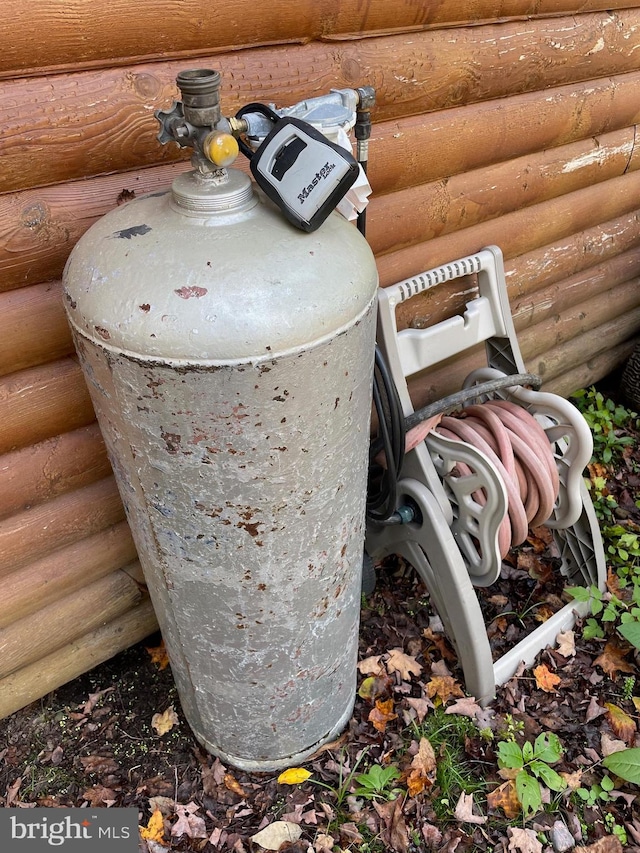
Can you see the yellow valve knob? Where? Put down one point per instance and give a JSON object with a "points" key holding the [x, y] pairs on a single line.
{"points": [[220, 148]]}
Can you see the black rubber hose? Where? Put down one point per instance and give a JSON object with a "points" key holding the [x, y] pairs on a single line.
{"points": [[453, 401]]}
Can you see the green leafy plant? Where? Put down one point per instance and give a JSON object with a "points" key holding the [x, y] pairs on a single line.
{"points": [[598, 792], [511, 728], [376, 783], [625, 764], [606, 420], [615, 828], [625, 615], [532, 761], [342, 789]]}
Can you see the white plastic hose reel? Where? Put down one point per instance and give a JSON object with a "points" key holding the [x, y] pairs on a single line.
{"points": [[454, 543]]}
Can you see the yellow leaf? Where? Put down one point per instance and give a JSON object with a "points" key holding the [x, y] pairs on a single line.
{"points": [[423, 768], [232, 784], [165, 721], [505, 797], [636, 702], [293, 776], [159, 655], [367, 686], [444, 687], [154, 830], [382, 713], [622, 724], [545, 679]]}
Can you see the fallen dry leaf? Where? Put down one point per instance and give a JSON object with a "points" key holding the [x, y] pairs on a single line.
{"points": [[382, 714], [444, 687], [420, 706], [158, 655], [99, 764], [609, 745], [464, 810], [293, 776], [621, 723], [98, 795], [573, 780], [273, 836], [423, 769], [371, 666], [94, 698], [544, 612], [405, 665], [323, 843], [466, 707], [189, 823], [232, 784], [164, 722], [395, 829], [566, 641], [545, 679], [505, 797], [606, 844], [441, 643], [154, 830], [167, 805], [612, 660], [524, 840]]}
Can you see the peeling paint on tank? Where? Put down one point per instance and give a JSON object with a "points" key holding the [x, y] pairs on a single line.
{"points": [[191, 292], [133, 231]]}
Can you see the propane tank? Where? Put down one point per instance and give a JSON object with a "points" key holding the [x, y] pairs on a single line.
{"points": [[229, 358]]}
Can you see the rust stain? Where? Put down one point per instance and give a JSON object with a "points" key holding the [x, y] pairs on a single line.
{"points": [[189, 292], [104, 333], [172, 441], [145, 307]]}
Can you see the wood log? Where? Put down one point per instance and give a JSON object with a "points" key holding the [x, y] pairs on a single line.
{"points": [[41, 402], [577, 319], [98, 32], [591, 370], [571, 255], [436, 145], [401, 156], [93, 605], [66, 519], [65, 571], [33, 327], [38, 228], [438, 70], [44, 471], [521, 231], [428, 211], [558, 298], [55, 669], [570, 354]]}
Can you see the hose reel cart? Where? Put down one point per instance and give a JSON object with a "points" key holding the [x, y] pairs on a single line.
{"points": [[451, 500]]}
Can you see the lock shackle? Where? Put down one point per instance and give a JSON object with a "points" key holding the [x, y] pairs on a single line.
{"points": [[255, 107]]}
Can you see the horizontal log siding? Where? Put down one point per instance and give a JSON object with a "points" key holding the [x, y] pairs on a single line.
{"points": [[102, 121], [105, 32], [518, 131]]}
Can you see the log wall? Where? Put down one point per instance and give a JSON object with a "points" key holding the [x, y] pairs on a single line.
{"points": [[507, 123]]}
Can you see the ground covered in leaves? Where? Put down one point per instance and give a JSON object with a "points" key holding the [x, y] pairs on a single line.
{"points": [[417, 768]]}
